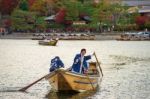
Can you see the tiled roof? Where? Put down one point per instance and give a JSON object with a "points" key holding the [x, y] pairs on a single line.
{"points": [[144, 9], [136, 2]]}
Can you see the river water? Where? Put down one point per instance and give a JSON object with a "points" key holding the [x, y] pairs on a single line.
{"points": [[125, 64]]}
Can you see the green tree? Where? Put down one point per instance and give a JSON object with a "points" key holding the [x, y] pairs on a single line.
{"points": [[39, 6], [40, 24], [117, 11], [23, 5], [72, 10], [107, 13], [23, 20], [86, 8], [147, 24]]}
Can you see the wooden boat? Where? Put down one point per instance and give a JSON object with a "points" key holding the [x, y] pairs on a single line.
{"points": [[48, 42], [78, 37], [65, 80], [134, 37]]}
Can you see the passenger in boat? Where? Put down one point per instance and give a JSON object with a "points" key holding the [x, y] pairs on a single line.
{"points": [[56, 63], [80, 64]]}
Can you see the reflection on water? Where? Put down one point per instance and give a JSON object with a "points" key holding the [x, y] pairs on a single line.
{"points": [[125, 65], [70, 95]]}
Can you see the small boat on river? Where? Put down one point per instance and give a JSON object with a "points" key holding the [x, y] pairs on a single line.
{"points": [[65, 80], [48, 42], [140, 36]]}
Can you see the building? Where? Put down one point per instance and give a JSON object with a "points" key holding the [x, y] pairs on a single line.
{"points": [[142, 5], [136, 2], [145, 10]]}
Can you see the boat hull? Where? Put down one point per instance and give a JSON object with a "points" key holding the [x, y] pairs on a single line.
{"points": [[50, 43], [62, 80]]}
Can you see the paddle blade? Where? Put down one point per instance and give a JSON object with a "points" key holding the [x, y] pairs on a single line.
{"points": [[28, 86]]}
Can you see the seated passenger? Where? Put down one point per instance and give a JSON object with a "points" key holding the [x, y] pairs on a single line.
{"points": [[56, 63]]}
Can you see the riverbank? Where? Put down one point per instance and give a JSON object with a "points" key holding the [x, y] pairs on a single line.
{"points": [[102, 36]]}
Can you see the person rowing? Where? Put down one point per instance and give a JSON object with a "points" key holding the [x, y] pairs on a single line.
{"points": [[80, 64]]}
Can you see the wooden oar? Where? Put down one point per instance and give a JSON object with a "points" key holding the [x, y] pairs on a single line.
{"points": [[28, 86], [89, 80], [98, 63]]}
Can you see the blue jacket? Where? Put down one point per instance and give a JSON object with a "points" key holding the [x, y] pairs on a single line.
{"points": [[77, 63], [55, 64]]}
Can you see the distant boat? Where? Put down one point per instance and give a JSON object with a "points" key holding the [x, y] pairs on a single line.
{"points": [[140, 36], [48, 42], [65, 80], [77, 37], [38, 36]]}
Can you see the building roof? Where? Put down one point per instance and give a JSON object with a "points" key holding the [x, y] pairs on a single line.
{"points": [[52, 17], [133, 9], [136, 2], [144, 9], [142, 6]]}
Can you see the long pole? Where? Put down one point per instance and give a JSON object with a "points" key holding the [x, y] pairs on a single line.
{"points": [[98, 63], [28, 86], [90, 81]]}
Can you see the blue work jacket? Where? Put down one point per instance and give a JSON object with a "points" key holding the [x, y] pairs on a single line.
{"points": [[77, 63], [55, 64]]}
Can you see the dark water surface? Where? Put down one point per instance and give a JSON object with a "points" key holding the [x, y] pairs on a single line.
{"points": [[126, 68]]}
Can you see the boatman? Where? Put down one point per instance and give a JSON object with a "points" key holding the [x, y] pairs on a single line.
{"points": [[80, 64], [56, 63]]}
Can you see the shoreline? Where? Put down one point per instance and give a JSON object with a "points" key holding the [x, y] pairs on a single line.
{"points": [[22, 36]]}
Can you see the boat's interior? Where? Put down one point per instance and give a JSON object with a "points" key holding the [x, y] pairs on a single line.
{"points": [[93, 69]]}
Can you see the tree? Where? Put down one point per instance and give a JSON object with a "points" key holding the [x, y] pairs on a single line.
{"points": [[7, 6], [39, 6], [60, 17], [52, 6], [107, 13], [117, 11], [23, 20], [142, 21], [82, 1], [31, 2], [23, 5], [40, 24], [86, 9], [147, 25], [72, 10]]}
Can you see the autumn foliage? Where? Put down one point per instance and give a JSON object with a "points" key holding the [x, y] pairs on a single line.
{"points": [[60, 17], [7, 6], [68, 11], [141, 20], [31, 2]]}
